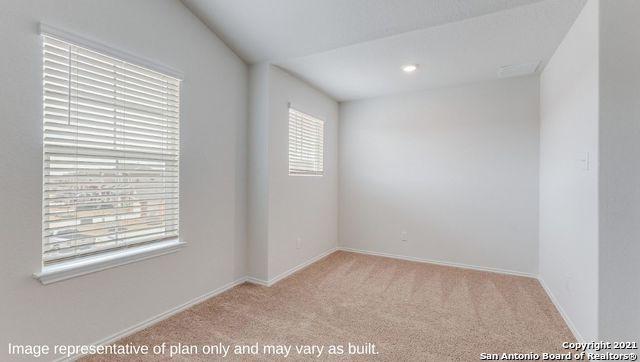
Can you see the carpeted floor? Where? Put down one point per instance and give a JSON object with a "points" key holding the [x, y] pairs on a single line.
{"points": [[411, 312]]}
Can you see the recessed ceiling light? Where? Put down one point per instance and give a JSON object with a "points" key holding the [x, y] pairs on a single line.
{"points": [[410, 68]]}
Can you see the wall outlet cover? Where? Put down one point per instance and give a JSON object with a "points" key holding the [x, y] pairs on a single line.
{"points": [[403, 236]]}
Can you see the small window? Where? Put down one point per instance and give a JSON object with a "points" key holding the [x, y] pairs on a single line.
{"points": [[306, 144], [111, 154]]}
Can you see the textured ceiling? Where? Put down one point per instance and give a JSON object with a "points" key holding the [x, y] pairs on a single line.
{"points": [[354, 49], [462, 52], [268, 30]]}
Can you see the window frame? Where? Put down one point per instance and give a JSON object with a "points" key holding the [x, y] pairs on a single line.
{"points": [[309, 115], [109, 259]]}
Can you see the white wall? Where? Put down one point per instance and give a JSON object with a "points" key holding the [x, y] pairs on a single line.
{"points": [[619, 170], [456, 168], [214, 112], [569, 192], [302, 207], [258, 164]]}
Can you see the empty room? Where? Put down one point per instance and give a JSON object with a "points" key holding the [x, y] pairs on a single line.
{"points": [[368, 180]]}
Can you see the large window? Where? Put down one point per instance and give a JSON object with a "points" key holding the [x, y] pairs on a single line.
{"points": [[306, 144], [111, 154]]}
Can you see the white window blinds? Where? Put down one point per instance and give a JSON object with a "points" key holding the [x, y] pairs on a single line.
{"points": [[306, 144], [111, 152]]}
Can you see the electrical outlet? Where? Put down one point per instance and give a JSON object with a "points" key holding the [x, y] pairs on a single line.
{"points": [[403, 236], [298, 243]]}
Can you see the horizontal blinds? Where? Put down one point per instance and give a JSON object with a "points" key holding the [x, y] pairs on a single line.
{"points": [[306, 144], [111, 153]]}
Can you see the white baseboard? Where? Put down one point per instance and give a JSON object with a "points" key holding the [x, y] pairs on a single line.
{"points": [[164, 315], [258, 281], [272, 281], [565, 316], [554, 300], [155, 319], [440, 262]]}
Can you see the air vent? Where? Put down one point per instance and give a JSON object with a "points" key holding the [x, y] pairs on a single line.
{"points": [[517, 70]]}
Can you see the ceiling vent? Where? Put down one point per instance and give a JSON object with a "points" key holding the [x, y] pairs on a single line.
{"points": [[517, 70]]}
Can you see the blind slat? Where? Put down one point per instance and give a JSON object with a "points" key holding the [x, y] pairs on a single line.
{"points": [[55, 117], [101, 206], [131, 224], [111, 153], [116, 211], [111, 244], [306, 144]]}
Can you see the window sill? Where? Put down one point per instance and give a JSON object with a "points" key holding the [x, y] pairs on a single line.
{"points": [[75, 268], [306, 174]]}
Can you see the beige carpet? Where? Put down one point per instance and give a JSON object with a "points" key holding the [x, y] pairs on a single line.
{"points": [[411, 312]]}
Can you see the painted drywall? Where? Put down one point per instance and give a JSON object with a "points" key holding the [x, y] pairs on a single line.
{"points": [[213, 142], [451, 54], [456, 168], [568, 186], [261, 31], [619, 318], [286, 208], [304, 207], [258, 169]]}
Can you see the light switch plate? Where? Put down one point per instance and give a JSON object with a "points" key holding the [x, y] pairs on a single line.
{"points": [[586, 161]]}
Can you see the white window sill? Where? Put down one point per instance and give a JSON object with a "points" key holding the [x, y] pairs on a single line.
{"points": [[74, 268], [306, 174]]}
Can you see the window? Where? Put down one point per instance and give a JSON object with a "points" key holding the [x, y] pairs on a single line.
{"points": [[111, 155], [306, 144]]}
